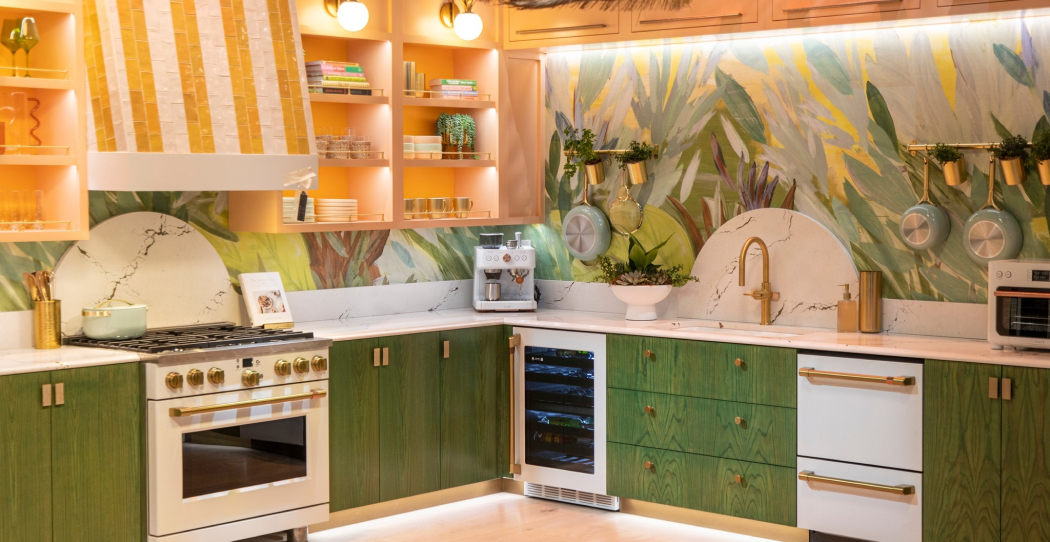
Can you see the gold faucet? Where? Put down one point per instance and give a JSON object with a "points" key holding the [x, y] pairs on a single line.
{"points": [[766, 294]]}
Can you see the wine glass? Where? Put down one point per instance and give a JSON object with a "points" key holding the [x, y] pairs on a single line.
{"points": [[9, 35], [28, 38]]}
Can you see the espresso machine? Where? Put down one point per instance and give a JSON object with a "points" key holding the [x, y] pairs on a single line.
{"points": [[504, 275]]}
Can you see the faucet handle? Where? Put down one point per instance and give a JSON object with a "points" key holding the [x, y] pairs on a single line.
{"points": [[775, 296]]}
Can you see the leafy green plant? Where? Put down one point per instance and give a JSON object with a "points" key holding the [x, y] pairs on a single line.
{"points": [[1041, 146], [580, 146], [636, 152], [639, 269], [945, 153], [457, 129], [1013, 147]]}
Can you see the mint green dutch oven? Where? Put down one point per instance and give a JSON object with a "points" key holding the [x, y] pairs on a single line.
{"points": [[104, 322]]}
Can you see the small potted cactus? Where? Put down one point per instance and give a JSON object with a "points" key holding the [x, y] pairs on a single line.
{"points": [[1041, 155], [639, 282], [1013, 155], [951, 163]]}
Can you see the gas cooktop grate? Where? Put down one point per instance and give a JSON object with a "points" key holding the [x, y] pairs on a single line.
{"points": [[177, 339]]}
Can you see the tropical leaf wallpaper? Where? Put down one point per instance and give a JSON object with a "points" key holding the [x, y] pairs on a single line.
{"points": [[817, 123]]}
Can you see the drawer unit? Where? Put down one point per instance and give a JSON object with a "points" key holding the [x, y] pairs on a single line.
{"points": [[728, 372], [727, 429], [652, 475], [559, 23], [732, 15], [885, 506], [866, 411], [805, 10]]}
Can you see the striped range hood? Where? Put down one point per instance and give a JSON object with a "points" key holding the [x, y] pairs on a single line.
{"points": [[195, 77]]}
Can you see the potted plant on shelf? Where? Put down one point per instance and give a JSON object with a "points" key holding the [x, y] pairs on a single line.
{"points": [[457, 131], [639, 282], [580, 146], [1013, 155], [633, 161], [1041, 155], [951, 163]]}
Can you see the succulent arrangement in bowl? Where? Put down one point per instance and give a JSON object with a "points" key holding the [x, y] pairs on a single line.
{"points": [[639, 281], [1012, 153]]}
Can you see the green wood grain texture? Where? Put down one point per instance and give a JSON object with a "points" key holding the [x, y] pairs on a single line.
{"points": [[702, 369], [99, 455], [353, 420], [671, 480], [765, 492], [25, 459], [962, 453], [1026, 456], [470, 414], [410, 416], [703, 426]]}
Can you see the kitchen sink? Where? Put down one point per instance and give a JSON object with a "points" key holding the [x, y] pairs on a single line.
{"points": [[738, 328]]}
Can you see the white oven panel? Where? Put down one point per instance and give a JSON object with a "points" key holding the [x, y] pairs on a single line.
{"points": [[233, 372], [1030, 327]]}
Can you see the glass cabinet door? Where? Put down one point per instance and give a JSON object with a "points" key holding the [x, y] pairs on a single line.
{"points": [[1022, 312], [559, 409]]}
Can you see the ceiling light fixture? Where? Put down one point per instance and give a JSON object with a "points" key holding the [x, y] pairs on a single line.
{"points": [[466, 24], [351, 14]]}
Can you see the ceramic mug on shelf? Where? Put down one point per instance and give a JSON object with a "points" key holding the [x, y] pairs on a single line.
{"points": [[439, 207], [462, 207]]}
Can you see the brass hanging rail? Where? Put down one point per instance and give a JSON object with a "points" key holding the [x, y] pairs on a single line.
{"points": [[913, 148], [608, 152]]}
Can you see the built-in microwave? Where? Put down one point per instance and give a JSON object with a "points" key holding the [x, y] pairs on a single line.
{"points": [[1019, 303]]}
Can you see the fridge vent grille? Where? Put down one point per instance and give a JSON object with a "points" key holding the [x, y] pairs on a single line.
{"points": [[572, 496]]}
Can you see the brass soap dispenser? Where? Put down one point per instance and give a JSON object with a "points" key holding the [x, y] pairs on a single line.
{"points": [[847, 312]]}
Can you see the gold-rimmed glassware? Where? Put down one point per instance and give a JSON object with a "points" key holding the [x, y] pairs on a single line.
{"points": [[10, 33]]}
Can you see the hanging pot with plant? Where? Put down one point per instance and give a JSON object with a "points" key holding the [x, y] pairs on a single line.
{"points": [[1041, 154], [633, 161], [1013, 155], [579, 144], [951, 163]]}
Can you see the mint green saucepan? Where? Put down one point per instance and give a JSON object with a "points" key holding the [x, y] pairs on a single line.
{"points": [[104, 322], [991, 234], [925, 225]]}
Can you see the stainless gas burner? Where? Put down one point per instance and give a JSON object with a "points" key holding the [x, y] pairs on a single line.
{"points": [[180, 339]]}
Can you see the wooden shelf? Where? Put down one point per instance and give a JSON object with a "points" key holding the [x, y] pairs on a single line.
{"points": [[53, 6], [35, 82], [466, 222], [331, 162], [310, 227], [349, 99], [42, 235], [449, 104], [449, 40], [28, 160], [450, 163]]}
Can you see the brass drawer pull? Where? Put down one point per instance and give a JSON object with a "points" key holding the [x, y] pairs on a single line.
{"points": [[1022, 295], [810, 372], [740, 480], [650, 410], [445, 350], [561, 29], [739, 421], [696, 18], [808, 476], [649, 354], [649, 465], [843, 5], [208, 409], [1008, 392], [375, 357]]}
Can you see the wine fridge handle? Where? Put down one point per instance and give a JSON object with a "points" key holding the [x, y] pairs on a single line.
{"points": [[515, 467]]}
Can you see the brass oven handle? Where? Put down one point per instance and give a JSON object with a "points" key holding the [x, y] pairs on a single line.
{"points": [[809, 476], [810, 372], [1023, 295], [681, 19], [515, 467], [842, 5], [193, 411], [560, 29]]}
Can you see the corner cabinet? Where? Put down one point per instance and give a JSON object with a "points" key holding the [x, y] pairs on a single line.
{"points": [[405, 418], [986, 453], [72, 455]]}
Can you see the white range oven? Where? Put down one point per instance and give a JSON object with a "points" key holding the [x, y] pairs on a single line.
{"points": [[559, 418]]}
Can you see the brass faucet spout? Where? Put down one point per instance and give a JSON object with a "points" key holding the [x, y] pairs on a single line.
{"points": [[766, 294]]}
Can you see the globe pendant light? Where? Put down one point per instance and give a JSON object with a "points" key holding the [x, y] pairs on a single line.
{"points": [[351, 14], [467, 25]]}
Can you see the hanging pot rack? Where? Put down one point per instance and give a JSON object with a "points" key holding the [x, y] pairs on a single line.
{"points": [[914, 147], [610, 152]]}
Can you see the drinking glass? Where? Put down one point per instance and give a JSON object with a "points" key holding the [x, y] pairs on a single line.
{"points": [[9, 35], [28, 38], [9, 210]]}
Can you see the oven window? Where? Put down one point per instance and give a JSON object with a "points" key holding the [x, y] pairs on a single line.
{"points": [[243, 456], [559, 409], [1022, 316]]}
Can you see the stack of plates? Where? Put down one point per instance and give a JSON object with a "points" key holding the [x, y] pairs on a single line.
{"points": [[290, 208], [335, 210]]}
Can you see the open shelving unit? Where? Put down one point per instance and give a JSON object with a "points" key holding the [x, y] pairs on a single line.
{"points": [[57, 167], [508, 122]]}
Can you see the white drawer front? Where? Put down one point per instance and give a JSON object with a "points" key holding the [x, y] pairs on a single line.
{"points": [[866, 514], [861, 422]]}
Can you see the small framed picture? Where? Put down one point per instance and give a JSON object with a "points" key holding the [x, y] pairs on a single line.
{"points": [[265, 299]]}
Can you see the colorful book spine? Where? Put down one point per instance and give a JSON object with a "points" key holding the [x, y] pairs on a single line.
{"points": [[457, 82], [334, 71], [314, 78], [332, 65], [343, 91], [453, 87], [339, 84]]}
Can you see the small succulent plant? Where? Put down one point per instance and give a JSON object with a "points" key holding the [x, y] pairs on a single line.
{"points": [[639, 269]]}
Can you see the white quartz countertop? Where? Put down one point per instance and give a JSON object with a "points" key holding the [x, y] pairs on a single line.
{"points": [[31, 360]]}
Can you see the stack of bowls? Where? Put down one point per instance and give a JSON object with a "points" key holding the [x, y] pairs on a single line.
{"points": [[428, 147], [335, 210], [290, 209], [410, 147]]}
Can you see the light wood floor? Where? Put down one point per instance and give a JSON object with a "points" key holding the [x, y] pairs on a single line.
{"points": [[505, 517]]}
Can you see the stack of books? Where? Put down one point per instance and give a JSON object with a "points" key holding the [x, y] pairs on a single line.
{"points": [[454, 89], [327, 77]]}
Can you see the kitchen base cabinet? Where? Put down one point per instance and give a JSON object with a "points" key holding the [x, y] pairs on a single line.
{"points": [[25, 459], [353, 420], [1026, 455], [652, 475]]}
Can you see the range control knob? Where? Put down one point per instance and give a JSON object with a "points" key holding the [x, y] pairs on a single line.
{"points": [[173, 380], [319, 363], [283, 367], [195, 377], [251, 378], [302, 365], [216, 376]]}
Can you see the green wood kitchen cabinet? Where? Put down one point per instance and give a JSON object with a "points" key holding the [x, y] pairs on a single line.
{"points": [[410, 416], [1026, 455], [962, 452], [654, 475], [353, 420], [25, 459], [472, 368]]}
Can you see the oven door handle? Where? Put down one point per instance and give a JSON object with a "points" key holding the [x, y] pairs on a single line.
{"points": [[1022, 295], [208, 409]]}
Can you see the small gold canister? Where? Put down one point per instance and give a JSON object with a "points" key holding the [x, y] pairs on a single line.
{"points": [[870, 302], [47, 324]]}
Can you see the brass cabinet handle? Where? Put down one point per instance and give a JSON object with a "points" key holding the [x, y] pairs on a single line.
{"points": [[1008, 392], [738, 420], [1022, 295], [192, 411], [993, 388], [809, 476], [515, 467], [738, 362], [739, 479], [810, 372], [842, 5], [649, 465], [649, 409], [649, 354], [46, 396], [375, 357], [696, 18], [560, 29], [60, 394], [386, 356], [445, 347]]}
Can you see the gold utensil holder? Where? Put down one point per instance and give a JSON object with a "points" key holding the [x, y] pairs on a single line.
{"points": [[870, 302], [47, 324]]}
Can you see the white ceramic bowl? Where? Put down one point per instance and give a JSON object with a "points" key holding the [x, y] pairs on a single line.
{"points": [[641, 300]]}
